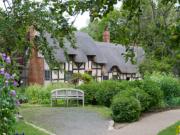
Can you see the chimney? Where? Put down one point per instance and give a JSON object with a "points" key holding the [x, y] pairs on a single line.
{"points": [[106, 35]]}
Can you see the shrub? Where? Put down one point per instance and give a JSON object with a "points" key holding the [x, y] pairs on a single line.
{"points": [[174, 102], [57, 85], [125, 109], [33, 93], [107, 90], [140, 95], [21, 95], [37, 94], [90, 92], [171, 88], [153, 89], [86, 78], [7, 95]]}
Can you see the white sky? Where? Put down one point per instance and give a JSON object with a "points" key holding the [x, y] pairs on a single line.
{"points": [[81, 20]]}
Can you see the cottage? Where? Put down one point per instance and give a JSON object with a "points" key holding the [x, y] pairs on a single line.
{"points": [[102, 60]]}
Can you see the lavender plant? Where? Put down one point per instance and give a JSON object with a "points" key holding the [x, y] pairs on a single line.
{"points": [[7, 96]]}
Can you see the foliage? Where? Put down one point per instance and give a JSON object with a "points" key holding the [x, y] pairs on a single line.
{"points": [[125, 109], [153, 90], [38, 94], [169, 85], [7, 96], [171, 88], [140, 95], [107, 90], [171, 130], [86, 78], [153, 25], [22, 127], [102, 92], [174, 102], [90, 90], [57, 85]]}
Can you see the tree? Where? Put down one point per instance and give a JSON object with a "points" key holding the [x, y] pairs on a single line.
{"points": [[155, 27]]}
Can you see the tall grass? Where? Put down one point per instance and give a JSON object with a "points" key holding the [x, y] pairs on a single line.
{"points": [[38, 94]]}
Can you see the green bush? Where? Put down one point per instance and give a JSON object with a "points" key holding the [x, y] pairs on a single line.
{"points": [[125, 109], [171, 88], [90, 90], [21, 95], [57, 85], [86, 78], [38, 94], [153, 89], [107, 90], [174, 102], [139, 94]]}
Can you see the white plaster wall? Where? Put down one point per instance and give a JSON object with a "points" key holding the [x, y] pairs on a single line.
{"points": [[90, 64], [99, 72], [55, 74], [110, 75], [75, 71], [66, 66], [86, 66], [61, 74], [70, 65], [93, 72]]}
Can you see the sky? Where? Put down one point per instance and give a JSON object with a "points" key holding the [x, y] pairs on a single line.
{"points": [[81, 20]]}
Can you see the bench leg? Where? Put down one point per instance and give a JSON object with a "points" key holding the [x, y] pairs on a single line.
{"points": [[51, 102], [83, 102], [67, 102]]}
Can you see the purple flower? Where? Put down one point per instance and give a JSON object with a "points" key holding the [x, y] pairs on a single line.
{"points": [[13, 93], [2, 71], [15, 83], [8, 60], [7, 75], [4, 56], [17, 103]]}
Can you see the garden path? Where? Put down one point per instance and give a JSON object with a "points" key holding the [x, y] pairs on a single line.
{"points": [[149, 125], [67, 121]]}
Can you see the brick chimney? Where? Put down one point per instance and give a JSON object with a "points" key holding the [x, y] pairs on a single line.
{"points": [[36, 63], [106, 35]]}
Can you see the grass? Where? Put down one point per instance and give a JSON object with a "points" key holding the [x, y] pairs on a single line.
{"points": [[22, 127], [171, 130], [103, 111]]}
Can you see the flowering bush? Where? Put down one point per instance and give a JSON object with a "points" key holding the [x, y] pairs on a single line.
{"points": [[7, 96]]}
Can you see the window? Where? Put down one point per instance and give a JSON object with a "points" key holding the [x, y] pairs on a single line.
{"points": [[68, 75], [47, 75], [105, 77]]}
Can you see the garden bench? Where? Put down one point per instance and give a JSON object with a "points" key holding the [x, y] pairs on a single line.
{"points": [[67, 94]]}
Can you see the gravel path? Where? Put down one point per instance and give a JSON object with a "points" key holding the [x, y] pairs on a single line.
{"points": [[80, 121], [149, 125], [67, 121]]}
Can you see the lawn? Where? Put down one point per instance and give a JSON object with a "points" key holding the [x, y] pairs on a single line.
{"points": [[22, 127], [171, 130]]}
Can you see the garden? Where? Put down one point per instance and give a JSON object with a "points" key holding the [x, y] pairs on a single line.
{"points": [[122, 101], [127, 100]]}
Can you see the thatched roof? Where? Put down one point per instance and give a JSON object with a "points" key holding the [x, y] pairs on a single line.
{"points": [[104, 53]]}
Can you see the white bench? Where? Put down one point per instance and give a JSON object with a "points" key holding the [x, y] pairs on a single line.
{"points": [[67, 94]]}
